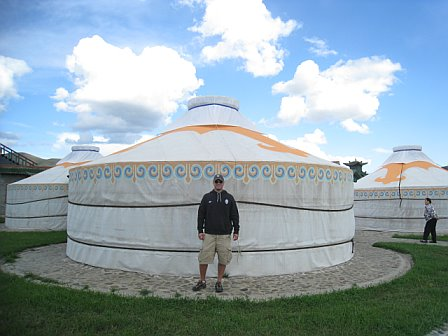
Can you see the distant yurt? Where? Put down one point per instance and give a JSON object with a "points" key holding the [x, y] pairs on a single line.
{"points": [[39, 202], [136, 210], [392, 197]]}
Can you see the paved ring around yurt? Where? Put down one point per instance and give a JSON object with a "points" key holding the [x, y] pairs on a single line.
{"points": [[369, 266]]}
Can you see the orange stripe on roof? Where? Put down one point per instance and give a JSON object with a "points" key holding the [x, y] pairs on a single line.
{"points": [[395, 170], [265, 142]]}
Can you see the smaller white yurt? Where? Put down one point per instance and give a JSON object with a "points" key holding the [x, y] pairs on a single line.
{"points": [[40, 202], [392, 197]]}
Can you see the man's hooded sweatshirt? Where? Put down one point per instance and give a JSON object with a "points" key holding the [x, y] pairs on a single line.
{"points": [[218, 214]]}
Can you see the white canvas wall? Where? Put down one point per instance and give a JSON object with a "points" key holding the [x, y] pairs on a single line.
{"points": [[136, 209], [40, 202]]}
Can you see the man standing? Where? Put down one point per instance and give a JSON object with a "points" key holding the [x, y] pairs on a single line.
{"points": [[431, 221], [217, 216]]}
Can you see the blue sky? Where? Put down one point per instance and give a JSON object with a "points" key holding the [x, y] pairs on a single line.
{"points": [[340, 79]]}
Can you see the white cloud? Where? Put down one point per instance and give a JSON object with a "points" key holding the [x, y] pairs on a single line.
{"points": [[319, 47], [64, 142], [10, 69], [293, 109], [353, 126], [189, 3], [312, 142], [120, 92], [247, 31], [67, 139], [61, 94], [309, 143], [345, 91], [100, 139]]}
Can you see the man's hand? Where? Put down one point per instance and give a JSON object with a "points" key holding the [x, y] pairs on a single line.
{"points": [[201, 236], [235, 236]]}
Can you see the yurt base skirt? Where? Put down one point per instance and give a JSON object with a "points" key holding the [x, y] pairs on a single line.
{"points": [[50, 223], [185, 263], [410, 225]]}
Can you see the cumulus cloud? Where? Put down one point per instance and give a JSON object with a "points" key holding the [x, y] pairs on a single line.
{"points": [[10, 69], [309, 143], [352, 126], [346, 92], [319, 47], [247, 31], [66, 140], [119, 92], [189, 3], [312, 143]]}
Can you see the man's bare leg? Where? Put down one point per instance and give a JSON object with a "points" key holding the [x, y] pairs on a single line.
{"points": [[221, 270], [203, 271]]}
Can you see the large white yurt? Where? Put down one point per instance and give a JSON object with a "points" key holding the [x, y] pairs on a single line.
{"points": [[392, 197], [40, 202], [137, 209]]}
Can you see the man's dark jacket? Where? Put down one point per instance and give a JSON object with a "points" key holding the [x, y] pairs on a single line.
{"points": [[218, 214]]}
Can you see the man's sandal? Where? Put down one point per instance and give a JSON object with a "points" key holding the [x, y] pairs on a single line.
{"points": [[200, 285], [218, 287]]}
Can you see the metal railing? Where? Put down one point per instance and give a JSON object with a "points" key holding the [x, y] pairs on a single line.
{"points": [[14, 157]]}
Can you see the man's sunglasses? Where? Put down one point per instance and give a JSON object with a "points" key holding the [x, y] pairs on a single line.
{"points": [[218, 181]]}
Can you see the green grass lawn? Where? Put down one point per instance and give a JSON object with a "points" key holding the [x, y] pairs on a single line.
{"points": [[414, 304], [13, 242], [443, 237]]}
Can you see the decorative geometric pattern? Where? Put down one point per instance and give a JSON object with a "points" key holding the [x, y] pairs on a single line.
{"points": [[39, 187], [191, 171], [415, 193]]}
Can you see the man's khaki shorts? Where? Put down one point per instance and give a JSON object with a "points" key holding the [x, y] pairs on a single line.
{"points": [[221, 244]]}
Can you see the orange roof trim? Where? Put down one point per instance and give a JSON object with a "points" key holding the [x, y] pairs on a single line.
{"points": [[395, 170], [265, 142]]}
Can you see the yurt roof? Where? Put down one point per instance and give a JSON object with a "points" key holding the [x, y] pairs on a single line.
{"points": [[212, 110], [212, 129], [58, 174], [407, 166], [81, 154]]}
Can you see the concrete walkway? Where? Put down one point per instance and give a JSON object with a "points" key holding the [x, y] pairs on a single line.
{"points": [[369, 266]]}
